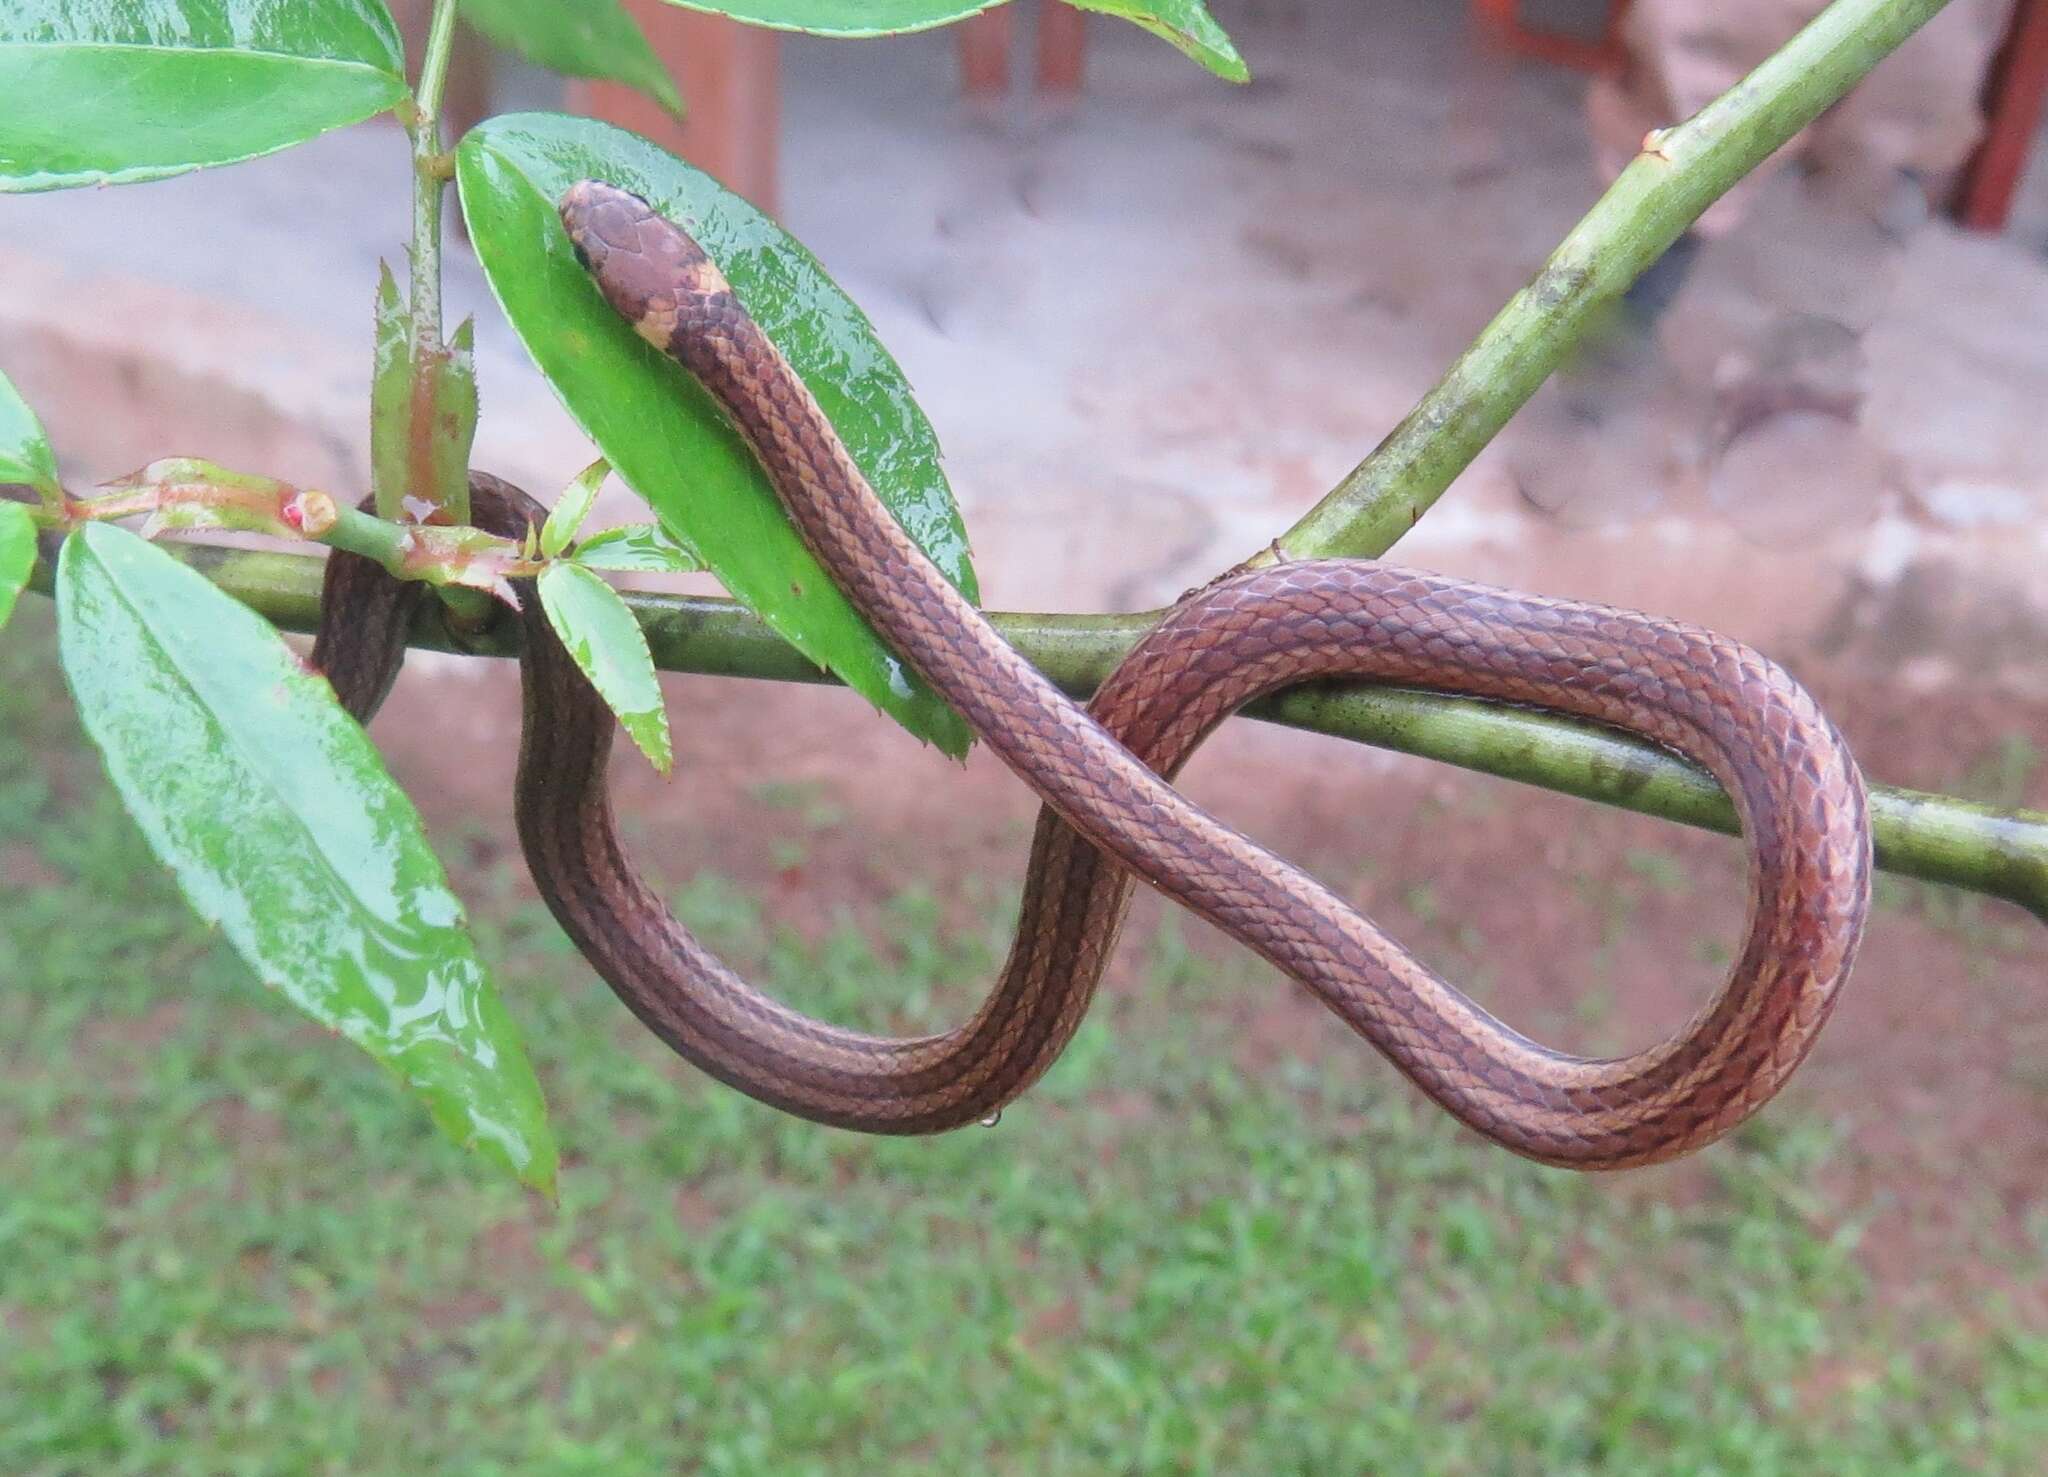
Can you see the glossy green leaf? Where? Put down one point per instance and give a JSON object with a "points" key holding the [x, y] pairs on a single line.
{"points": [[115, 91], [665, 435], [843, 17], [1186, 24], [586, 38], [442, 441], [572, 507], [1183, 24], [599, 630], [17, 554], [270, 806], [24, 450], [643, 547], [190, 492]]}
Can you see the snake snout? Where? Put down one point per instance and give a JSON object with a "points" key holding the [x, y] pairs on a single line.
{"points": [[649, 268], [602, 219]]}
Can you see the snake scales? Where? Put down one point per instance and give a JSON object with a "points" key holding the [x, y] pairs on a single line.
{"points": [[1111, 813]]}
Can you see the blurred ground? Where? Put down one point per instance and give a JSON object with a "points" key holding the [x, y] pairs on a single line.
{"points": [[1151, 331], [1219, 1238]]}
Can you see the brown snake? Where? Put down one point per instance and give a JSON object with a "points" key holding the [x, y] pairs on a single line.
{"points": [[1104, 775]]}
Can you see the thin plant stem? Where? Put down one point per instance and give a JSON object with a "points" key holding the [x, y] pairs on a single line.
{"points": [[1938, 838], [430, 177]]}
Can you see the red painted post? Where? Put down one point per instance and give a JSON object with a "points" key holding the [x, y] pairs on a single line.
{"points": [[729, 76], [985, 53], [1062, 48], [1605, 55], [2012, 107]]}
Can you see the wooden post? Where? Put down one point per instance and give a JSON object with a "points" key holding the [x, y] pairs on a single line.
{"points": [[985, 53], [2012, 107], [729, 76], [1605, 55], [1062, 48]]}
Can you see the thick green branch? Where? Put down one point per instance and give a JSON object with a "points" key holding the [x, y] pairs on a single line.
{"points": [[2000, 853], [1680, 172]]}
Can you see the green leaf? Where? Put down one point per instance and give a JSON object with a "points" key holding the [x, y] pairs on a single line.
{"points": [[116, 91], [586, 38], [390, 396], [24, 450], [1183, 24], [666, 436], [608, 644], [191, 492], [572, 507], [273, 810], [1186, 24], [843, 17], [442, 441], [17, 554], [419, 446], [643, 547]]}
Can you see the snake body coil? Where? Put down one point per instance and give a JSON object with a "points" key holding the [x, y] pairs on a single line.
{"points": [[1111, 812]]}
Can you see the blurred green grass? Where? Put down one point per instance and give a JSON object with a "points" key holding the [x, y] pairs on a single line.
{"points": [[229, 1244]]}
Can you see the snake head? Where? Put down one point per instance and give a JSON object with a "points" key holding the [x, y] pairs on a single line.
{"points": [[648, 268]]}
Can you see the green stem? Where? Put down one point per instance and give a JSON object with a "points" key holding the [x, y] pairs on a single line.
{"points": [[1940, 839], [429, 181], [434, 60], [391, 545], [364, 533], [1680, 172]]}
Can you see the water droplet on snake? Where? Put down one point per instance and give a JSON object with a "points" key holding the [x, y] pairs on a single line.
{"points": [[993, 1119]]}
